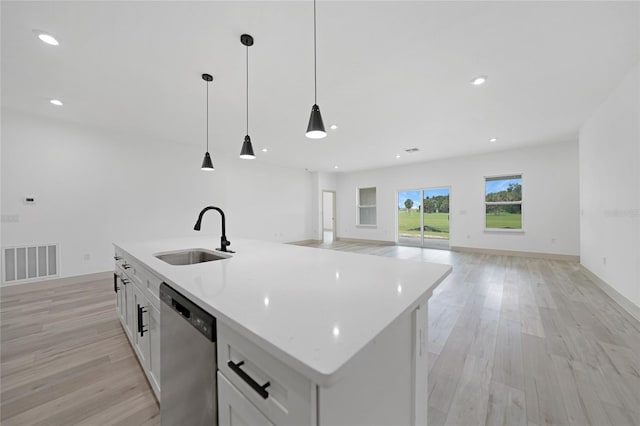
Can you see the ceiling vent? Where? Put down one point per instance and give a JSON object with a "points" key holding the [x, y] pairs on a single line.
{"points": [[411, 150]]}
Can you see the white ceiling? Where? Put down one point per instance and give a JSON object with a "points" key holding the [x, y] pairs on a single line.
{"points": [[392, 75]]}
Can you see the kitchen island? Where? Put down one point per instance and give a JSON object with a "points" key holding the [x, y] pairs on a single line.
{"points": [[340, 337]]}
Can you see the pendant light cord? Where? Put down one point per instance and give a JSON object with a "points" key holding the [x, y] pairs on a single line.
{"points": [[207, 116], [247, 90], [315, 66]]}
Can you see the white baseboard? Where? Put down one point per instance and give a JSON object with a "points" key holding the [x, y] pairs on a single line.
{"points": [[358, 240], [533, 254], [303, 242], [64, 281], [626, 304]]}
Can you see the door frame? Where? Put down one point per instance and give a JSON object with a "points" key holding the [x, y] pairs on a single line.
{"points": [[333, 213], [421, 190]]}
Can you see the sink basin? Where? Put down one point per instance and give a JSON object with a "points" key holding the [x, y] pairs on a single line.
{"points": [[191, 256]]}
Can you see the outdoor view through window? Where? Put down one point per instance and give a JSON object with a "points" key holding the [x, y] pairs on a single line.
{"points": [[503, 202]]}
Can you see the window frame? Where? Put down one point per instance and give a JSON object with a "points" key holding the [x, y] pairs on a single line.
{"points": [[367, 206], [497, 203]]}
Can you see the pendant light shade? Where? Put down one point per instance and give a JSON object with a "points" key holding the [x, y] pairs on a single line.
{"points": [[315, 129], [247, 149], [207, 164]]}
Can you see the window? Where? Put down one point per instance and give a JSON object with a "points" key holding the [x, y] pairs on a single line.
{"points": [[503, 202], [366, 206]]}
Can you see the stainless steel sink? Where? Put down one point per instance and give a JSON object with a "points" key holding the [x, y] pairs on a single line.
{"points": [[190, 256]]}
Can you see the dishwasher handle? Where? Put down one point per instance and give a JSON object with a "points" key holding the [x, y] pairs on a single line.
{"points": [[182, 310]]}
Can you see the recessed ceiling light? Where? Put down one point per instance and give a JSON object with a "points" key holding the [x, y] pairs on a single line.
{"points": [[264, 150], [479, 80], [333, 127], [335, 167], [47, 38], [56, 102], [493, 140], [397, 155]]}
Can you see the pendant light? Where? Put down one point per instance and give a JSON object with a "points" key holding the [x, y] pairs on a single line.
{"points": [[247, 149], [207, 164], [315, 129]]}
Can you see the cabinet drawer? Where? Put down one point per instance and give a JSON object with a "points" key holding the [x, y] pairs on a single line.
{"points": [[148, 282], [288, 398], [234, 409]]}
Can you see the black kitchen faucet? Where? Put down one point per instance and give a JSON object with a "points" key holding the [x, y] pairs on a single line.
{"points": [[224, 243]]}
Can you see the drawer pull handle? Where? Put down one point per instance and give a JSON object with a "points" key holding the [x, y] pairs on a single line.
{"points": [[141, 328], [261, 390], [125, 281], [126, 266], [116, 258]]}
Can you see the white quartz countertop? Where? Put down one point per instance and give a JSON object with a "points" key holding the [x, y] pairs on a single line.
{"points": [[313, 309]]}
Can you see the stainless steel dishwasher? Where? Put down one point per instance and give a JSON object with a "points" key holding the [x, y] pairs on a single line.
{"points": [[187, 362]]}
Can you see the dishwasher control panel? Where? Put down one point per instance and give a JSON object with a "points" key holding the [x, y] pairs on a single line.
{"points": [[201, 320]]}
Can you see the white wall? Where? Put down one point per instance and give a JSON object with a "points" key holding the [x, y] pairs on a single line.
{"points": [[610, 189], [550, 198], [94, 188]]}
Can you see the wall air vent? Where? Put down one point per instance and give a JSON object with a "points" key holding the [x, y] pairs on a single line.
{"points": [[411, 150], [29, 263]]}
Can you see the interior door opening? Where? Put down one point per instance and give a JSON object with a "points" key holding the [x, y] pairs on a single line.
{"points": [[328, 216], [423, 217]]}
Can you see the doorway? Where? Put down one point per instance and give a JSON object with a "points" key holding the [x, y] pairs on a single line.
{"points": [[328, 216], [423, 217]]}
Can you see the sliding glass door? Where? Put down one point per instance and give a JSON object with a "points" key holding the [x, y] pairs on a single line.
{"points": [[423, 217], [409, 218]]}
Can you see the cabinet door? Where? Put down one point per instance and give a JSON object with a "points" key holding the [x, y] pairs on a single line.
{"points": [[236, 410], [120, 306], [129, 308], [140, 332], [154, 347]]}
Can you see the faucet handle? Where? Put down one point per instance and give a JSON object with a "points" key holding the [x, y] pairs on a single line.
{"points": [[224, 243]]}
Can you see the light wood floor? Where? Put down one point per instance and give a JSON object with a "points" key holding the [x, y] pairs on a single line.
{"points": [[65, 360], [521, 341], [513, 341]]}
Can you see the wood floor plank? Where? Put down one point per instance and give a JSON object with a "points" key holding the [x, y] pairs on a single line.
{"points": [[507, 364], [506, 406], [580, 399], [542, 391], [471, 399]]}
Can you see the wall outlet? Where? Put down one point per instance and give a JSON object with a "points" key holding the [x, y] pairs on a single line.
{"points": [[468, 236], [604, 260], [86, 256], [553, 241]]}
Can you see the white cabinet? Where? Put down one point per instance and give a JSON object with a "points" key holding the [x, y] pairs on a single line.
{"points": [[153, 370], [141, 322], [385, 384], [285, 396], [124, 296], [121, 305], [137, 302], [127, 296], [234, 409]]}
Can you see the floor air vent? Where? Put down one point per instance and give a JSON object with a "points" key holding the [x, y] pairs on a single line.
{"points": [[29, 263]]}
